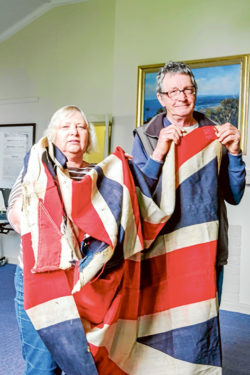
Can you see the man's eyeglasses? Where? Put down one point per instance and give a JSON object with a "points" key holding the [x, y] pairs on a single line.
{"points": [[174, 93]]}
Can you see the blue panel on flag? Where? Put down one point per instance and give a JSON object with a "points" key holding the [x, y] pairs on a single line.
{"points": [[196, 199], [89, 248], [142, 181], [111, 191], [198, 343]]}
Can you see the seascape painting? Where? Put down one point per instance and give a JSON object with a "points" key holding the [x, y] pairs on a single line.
{"points": [[217, 97]]}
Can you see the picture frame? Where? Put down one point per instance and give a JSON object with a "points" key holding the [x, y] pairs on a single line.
{"points": [[103, 127], [223, 91], [15, 141]]}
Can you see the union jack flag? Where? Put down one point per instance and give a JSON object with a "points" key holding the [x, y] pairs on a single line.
{"points": [[117, 280]]}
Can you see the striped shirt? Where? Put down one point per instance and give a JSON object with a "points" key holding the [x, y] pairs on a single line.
{"points": [[76, 174]]}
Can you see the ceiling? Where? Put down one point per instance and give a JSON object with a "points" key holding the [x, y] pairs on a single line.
{"points": [[16, 14]]}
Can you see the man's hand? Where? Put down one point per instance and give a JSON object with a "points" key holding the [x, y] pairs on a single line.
{"points": [[166, 136], [229, 136]]}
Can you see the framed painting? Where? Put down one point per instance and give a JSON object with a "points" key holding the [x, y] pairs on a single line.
{"points": [[223, 91], [15, 141], [103, 140]]}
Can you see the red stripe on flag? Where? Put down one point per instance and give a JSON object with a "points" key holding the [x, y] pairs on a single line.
{"points": [[50, 216], [40, 287], [150, 230], [193, 143], [49, 241], [84, 214], [178, 278], [104, 365], [111, 297], [52, 199]]}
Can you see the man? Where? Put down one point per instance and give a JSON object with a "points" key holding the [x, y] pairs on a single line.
{"points": [[176, 92]]}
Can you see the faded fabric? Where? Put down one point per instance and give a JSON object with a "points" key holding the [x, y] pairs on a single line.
{"points": [[118, 281]]}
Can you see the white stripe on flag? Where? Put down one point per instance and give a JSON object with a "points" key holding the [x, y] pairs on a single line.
{"points": [[177, 317], [53, 312], [184, 237], [103, 210], [135, 358], [198, 161]]}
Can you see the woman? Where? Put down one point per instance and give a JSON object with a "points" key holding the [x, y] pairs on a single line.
{"points": [[73, 135]]}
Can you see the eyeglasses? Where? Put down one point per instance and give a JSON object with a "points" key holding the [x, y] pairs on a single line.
{"points": [[174, 93]]}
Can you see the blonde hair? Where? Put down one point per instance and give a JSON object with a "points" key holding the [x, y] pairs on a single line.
{"points": [[65, 112]]}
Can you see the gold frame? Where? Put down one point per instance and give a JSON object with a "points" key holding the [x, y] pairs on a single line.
{"points": [[242, 60], [103, 138]]}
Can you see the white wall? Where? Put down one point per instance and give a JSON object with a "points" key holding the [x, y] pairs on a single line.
{"points": [[64, 57], [88, 54], [149, 32]]}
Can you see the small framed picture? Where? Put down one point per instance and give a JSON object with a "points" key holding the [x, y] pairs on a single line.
{"points": [[15, 141]]}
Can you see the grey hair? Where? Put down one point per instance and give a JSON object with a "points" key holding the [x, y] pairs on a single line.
{"points": [[65, 112], [173, 67]]}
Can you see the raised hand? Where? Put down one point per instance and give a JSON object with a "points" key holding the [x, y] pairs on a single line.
{"points": [[171, 133], [229, 136]]}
